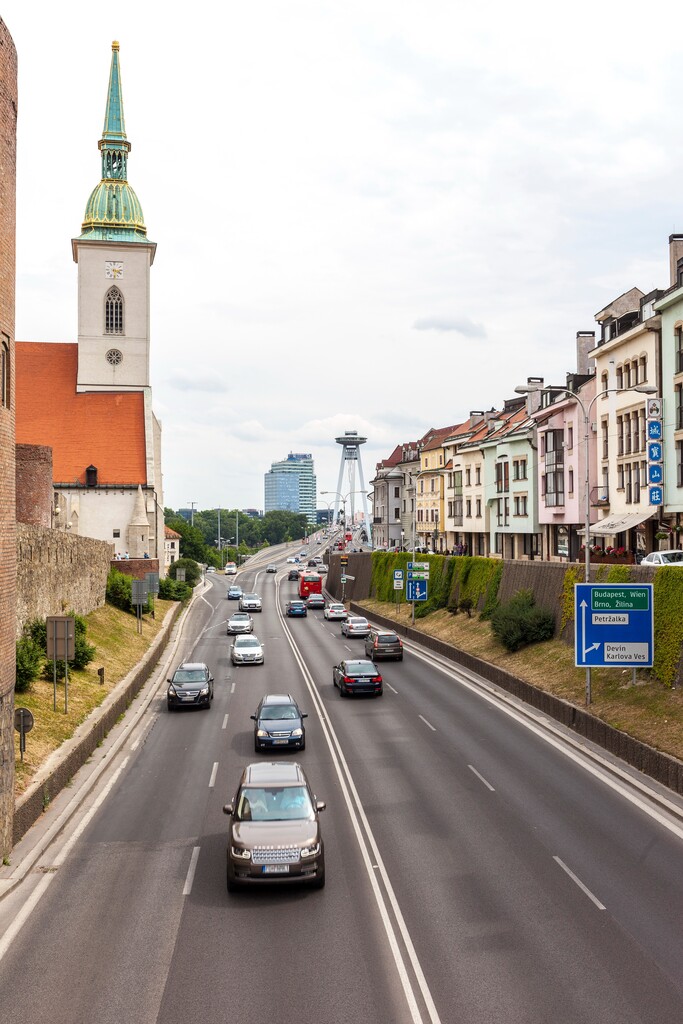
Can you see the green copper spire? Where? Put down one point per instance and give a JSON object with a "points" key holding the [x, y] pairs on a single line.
{"points": [[113, 211]]}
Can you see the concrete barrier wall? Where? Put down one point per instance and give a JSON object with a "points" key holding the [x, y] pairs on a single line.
{"points": [[76, 752]]}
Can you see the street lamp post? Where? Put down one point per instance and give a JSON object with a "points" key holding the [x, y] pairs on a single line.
{"points": [[645, 389]]}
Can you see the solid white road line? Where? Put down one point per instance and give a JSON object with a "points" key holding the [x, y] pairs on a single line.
{"points": [[214, 773], [580, 884], [33, 900], [187, 888], [428, 724], [481, 778], [232, 688], [390, 687], [225, 722]]}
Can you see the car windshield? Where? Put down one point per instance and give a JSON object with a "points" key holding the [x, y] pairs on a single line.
{"points": [[247, 641], [284, 803], [336, 607], [357, 621], [672, 556], [250, 597], [241, 616], [194, 675], [279, 712]]}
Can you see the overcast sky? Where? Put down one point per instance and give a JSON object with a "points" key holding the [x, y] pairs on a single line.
{"points": [[370, 214]]}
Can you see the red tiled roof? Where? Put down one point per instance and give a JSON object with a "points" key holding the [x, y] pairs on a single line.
{"points": [[103, 429], [170, 535], [439, 436]]}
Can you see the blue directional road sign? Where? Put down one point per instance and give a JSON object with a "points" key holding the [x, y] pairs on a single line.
{"points": [[654, 430], [655, 473], [416, 590], [613, 625]]}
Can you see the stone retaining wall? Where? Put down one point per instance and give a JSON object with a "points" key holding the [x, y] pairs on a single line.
{"points": [[58, 573]]}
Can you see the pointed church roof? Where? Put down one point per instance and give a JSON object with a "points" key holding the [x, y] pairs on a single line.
{"points": [[113, 212], [100, 428]]}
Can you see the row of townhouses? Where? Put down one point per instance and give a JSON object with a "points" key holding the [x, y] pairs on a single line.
{"points": [[522, 482]]}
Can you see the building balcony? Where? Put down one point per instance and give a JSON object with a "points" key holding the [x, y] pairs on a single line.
{"points": [[599, 496]]}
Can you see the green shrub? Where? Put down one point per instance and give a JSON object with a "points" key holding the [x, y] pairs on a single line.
{"points": [[119, 590], [29, 660], [173, 590], [519, 622], [193, 571]]}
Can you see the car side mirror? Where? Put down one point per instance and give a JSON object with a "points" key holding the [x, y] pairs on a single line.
{"points": [[231, 646], [228, 809], [304, 714], [320, 805], [253, 717]]}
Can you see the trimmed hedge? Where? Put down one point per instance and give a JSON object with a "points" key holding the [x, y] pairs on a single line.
{"points": [[452, 579]]}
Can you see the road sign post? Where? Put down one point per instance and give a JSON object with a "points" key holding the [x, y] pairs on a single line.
{"points": [[613, 625]]}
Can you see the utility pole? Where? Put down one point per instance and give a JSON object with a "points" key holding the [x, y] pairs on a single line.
{"points": [[192, 505]]}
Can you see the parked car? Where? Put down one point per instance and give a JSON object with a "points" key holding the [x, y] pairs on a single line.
{"points": [[383, 643], [336, 611], [234, 593], [279, 723], [357, 677], [315, 601], [271, 568], [250, 603], [274, 833], [240, 622], [294, 608], [293, 574], [674, 557], [355, 626], [190, 686], [246, 650]]}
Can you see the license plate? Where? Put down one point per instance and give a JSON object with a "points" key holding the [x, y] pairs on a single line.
{"points": [[280, 741], [276, 869]]}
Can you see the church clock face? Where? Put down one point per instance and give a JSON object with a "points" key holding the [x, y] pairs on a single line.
{"points": [[113, 269]]}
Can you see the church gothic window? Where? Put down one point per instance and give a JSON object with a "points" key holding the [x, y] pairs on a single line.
{"points": [[5, 374], [113, 312]]}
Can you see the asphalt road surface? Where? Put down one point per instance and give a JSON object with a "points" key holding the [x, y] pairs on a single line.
{"points": [[477, 871]]}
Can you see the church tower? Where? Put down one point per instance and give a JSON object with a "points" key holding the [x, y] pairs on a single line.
{"points": [[114, 257]]}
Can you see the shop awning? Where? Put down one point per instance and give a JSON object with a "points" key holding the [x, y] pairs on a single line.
{"points": [[612, 525]]}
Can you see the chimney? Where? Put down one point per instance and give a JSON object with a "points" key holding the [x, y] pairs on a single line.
{"points": [[676, 260], [585, 342]]}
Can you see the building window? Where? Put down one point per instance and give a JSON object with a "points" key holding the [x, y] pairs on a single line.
{"points": [[113, 312], [116, 533], [5, 374], [570, 437], [679, 350], [643, 369], [468, 508], [605, 438], [620, 378], [570, 481], [477, 475], [468, 478], [521, 505], [531, 544], [604, 382], [679, 463], [678, 397], [627, 433], [396, 492], [478, 508], [498, 543], [620, 435]]}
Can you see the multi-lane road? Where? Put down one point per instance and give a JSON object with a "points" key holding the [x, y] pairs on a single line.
{"points": [[478, 869]]}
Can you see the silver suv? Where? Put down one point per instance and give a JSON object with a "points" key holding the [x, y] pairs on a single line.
{"points": [[274, 833]]}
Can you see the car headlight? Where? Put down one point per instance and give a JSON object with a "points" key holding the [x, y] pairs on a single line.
{"points": [[241, 854], [261, 733], [297, 732], [204, 692], [310, 851], [172, 691]]}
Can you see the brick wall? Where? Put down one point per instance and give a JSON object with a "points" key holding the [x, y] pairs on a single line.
{"points": [[8, 547], [34, 484], [135, 567], [58, 572]]}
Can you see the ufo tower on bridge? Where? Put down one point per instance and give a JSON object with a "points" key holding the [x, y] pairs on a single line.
{"points": [[350, 461]]}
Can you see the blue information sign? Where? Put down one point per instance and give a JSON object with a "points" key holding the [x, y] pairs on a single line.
{"points": [[416, 590], [654, 430], [613, 625], [656, 496], [398, 574], [654, 451], [655, 473]]}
